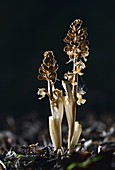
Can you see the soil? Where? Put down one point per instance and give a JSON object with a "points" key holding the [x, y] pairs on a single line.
{"points": [[25, 145]]}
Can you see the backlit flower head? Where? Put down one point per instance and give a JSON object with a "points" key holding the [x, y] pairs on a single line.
{"points": [[49, 67], [76, 39]]}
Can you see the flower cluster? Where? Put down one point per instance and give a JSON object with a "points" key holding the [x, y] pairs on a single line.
{"points": [[49, 67], [77, 49], [77, 41]]}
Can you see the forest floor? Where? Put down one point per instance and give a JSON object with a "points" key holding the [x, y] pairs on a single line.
{"points": [[25, 145]]}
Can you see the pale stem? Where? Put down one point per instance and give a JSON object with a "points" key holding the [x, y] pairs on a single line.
{"points": [[54, 123], [74, 92], [75, 79], [75, 87], [50, 90]]}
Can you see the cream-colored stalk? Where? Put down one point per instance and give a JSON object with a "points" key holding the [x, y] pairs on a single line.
{"points": [[55, 121], [74, 127], [76, 136], [55, 124]]}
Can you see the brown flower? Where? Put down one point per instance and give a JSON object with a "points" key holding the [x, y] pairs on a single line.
{"points": [[79, 67], [42, 92], [80, 99]]}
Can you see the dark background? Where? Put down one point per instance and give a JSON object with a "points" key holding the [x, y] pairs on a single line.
{"points": [[28, 28]]}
